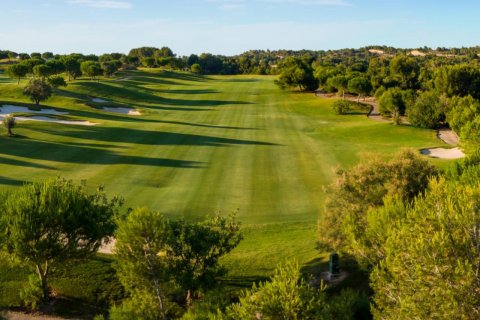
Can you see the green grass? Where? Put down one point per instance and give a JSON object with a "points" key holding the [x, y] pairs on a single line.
{"points": [[202, 145]]}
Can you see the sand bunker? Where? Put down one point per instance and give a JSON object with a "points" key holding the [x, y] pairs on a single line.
{"points": [[443, 153], [8, 109], [99, 100], [128, 111], [47, 119]]}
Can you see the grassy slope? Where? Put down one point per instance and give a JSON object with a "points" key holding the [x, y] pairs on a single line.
{"points": [[205, 145]]}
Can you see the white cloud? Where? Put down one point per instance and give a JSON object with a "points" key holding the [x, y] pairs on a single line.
{"points": [[108, 4]]}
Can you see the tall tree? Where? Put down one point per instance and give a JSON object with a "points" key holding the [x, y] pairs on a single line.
{"points": [[295, 72], [17, 71], [141, 242], [37, 90], [47, 223]]}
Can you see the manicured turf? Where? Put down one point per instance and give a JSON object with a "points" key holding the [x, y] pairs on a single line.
{"points": [[202, 145]]}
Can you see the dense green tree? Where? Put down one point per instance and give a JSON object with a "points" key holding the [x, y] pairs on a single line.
{"points": [[462, 110], [288, 296], [148, 62], [57, 81], [37, 90], [47, 223], [405, 70], [31, 63], [340, 83], [196, 68], [210, 64], [141, 244], [56, 65], [458, 80], [194, 250], [36, 55], [360, 86], [110, 67], [391, 103], [12, 55], [91, 69], [295, 72], [428, 111], [432, 258], [192, 59], [42, 71], [47, 56], [17, 71], [72, 67]]}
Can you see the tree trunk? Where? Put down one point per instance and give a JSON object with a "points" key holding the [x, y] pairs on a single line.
{"points": [[343, 94], [43, 273], [10, 133]]}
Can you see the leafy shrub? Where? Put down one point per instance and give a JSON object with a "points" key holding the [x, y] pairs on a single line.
{"points": [[32, 294], [341, 107]]}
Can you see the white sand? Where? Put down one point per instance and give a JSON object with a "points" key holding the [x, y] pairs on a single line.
{"points": [[443, 153], [107, 248], [128, 111], [47, 119], [99, 100], [8, 109]]}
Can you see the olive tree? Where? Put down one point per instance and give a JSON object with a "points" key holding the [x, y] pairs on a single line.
{"points": [[37, 90], [44, 224], [9, 123]]}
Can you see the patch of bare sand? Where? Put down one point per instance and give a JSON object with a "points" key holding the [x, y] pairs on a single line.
{"points": [[443, 153]]}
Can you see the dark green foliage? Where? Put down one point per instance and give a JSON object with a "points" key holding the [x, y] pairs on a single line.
{"points": [[405, 71], [45, 224], [391, 103], [360, 86], [148, 62], [17, 71], [462, 111], [37, 90], [295, 72], [428, 111], [194, 250], [289, 296], [57, 81], [341, 107], [458, 80], [195, 68], [72, 66], [91, 69], [432, 257], [42, 71]]}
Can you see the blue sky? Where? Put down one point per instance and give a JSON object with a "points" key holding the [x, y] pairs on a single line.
{"points": [[233, 26]]}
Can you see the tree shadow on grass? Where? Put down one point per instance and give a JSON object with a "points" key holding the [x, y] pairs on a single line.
{"points": [[144, 137], [133, 95], [68, 153], [11, 182]]}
